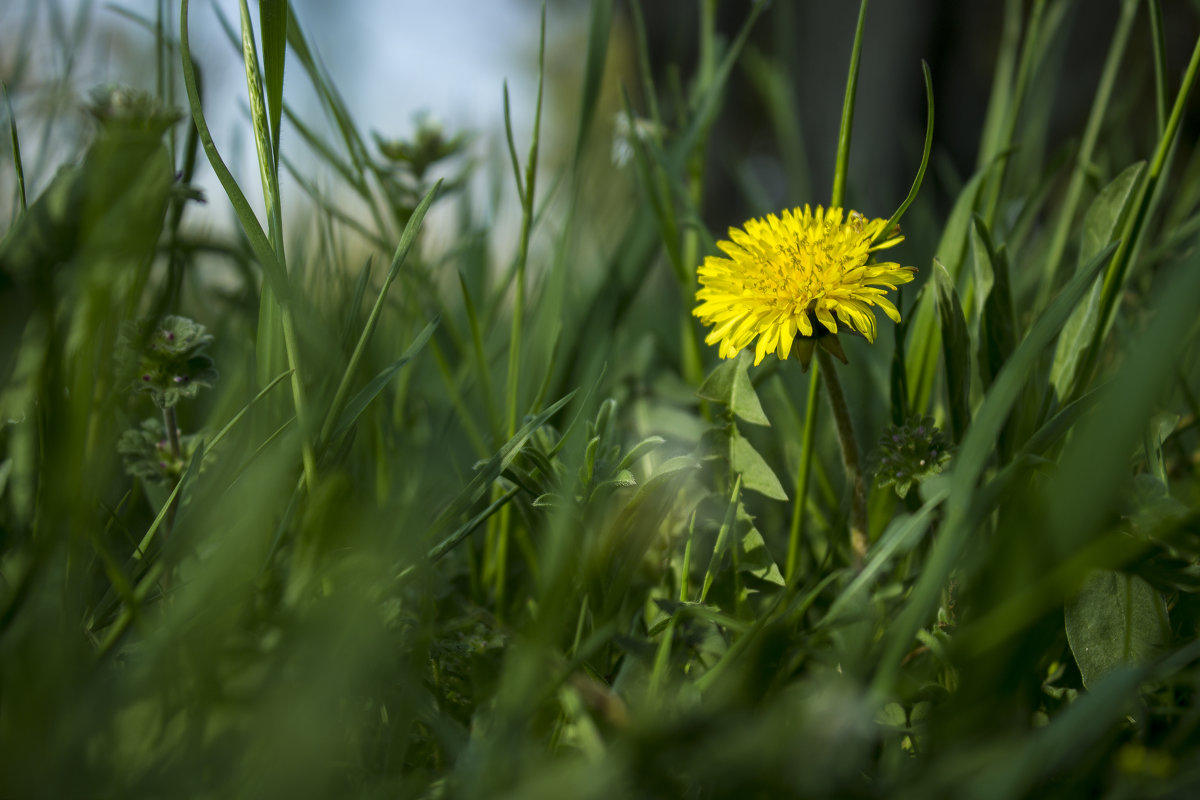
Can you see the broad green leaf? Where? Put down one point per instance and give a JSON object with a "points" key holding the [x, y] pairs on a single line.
{"points": [[755, 560], [756, 474], [729, 384], [956, 344], [636, 528], [1101, 224], [1115, 620]]}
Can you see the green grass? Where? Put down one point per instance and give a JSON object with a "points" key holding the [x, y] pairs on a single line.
{"points": [[458, 524]]}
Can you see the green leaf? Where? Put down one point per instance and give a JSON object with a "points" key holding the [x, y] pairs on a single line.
{"points": [[1101, 224], [729, 384], [956, 344], [642, 448], [756, 474], [1115, 620], [755, 560]]}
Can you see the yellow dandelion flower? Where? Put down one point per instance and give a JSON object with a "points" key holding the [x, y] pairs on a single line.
{"points": [[798, 274]]}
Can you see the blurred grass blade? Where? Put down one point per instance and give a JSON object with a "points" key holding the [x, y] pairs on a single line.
{"points": [[21, 204], [1158, 42], [901, 535], [722, 539], [407, 239], [489, 471], [705, 109], [363, 398], [443, 548], [482, 368], [593, 71], [242, 412]]}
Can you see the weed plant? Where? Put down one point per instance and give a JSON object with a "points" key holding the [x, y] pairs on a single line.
{"points": [[373, 518]]}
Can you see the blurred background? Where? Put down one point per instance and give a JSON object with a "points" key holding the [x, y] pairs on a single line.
{"points": [[449, 60]]}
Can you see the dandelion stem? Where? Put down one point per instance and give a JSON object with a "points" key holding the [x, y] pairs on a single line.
{"points": [[850, 457]]}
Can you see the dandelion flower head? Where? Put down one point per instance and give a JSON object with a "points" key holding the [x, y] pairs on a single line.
{"points": [[802, 273]]}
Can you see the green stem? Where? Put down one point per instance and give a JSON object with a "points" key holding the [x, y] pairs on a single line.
{"points": [[850, 457], [843, 151], [796, 533], [171, 421], [514, 351]]}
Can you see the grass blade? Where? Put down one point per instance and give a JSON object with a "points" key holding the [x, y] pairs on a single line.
{"points": [[363, 398], [407, 239], [976, 447], [273, 16]]}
